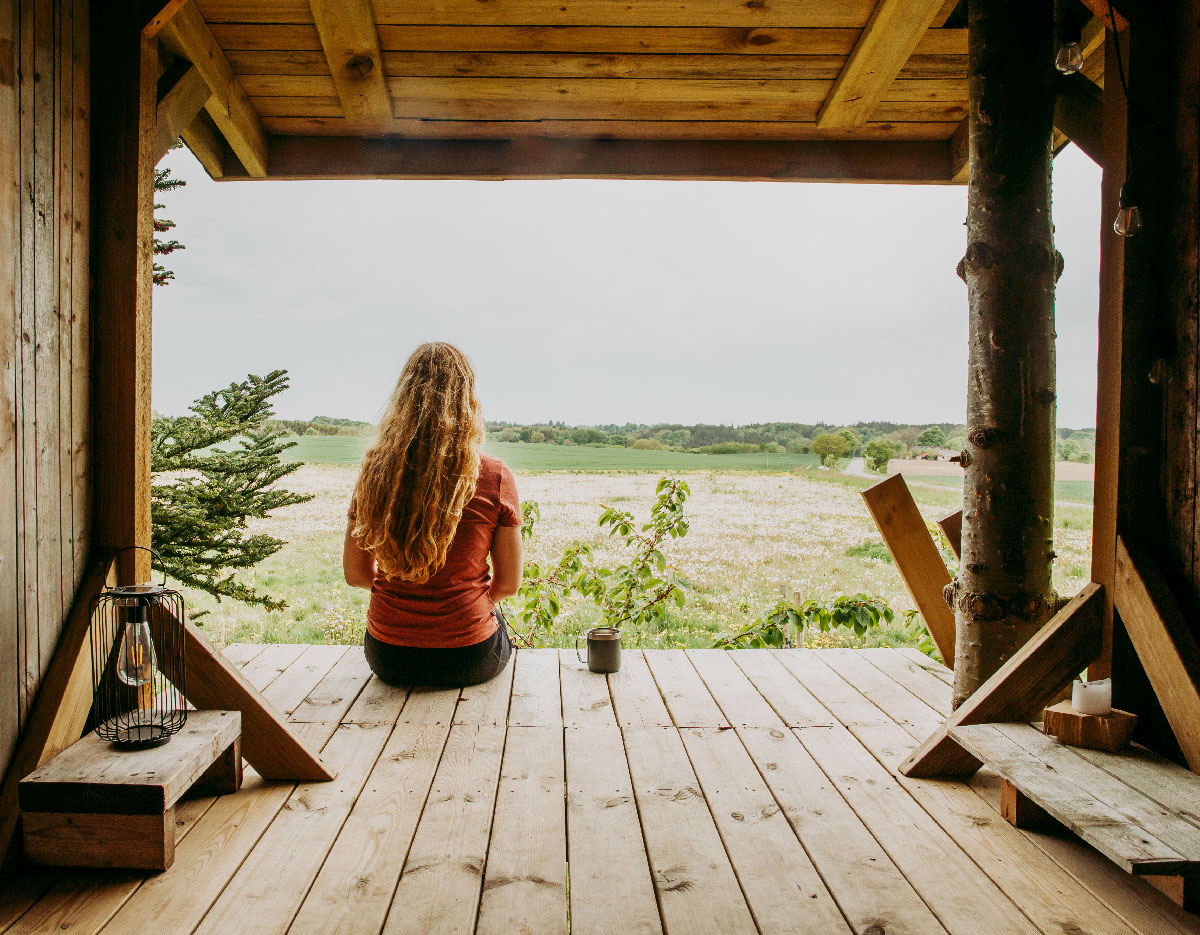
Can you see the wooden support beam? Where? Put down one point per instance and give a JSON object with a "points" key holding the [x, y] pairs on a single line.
{"points": [[1103, 10], [1110, 356], [1165, 645], [1079, 114], [125, 71], [268, 742], [960, 153], [300, 157], [182, 29], [204, 140], [178, 107], [1021, 687], [951, 527], [351, 44], [886, 43], [917, 558]]}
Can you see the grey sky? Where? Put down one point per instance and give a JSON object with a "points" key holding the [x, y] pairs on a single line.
{"points": [[601, 301]]}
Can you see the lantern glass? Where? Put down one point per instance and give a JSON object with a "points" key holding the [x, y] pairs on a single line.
{"points": [[138, 665]]}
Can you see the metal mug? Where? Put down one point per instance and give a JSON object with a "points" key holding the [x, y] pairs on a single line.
{"points": [[603, 649]]}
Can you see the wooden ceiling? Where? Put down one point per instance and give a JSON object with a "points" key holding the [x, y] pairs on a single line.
{"points": [[790, 89]]}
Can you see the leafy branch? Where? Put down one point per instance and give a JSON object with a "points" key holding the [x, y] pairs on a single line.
{"points": [[857, 612]]}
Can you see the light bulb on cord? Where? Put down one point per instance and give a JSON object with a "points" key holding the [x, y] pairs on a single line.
{"points": [[1069, 59], [1129, 218]]}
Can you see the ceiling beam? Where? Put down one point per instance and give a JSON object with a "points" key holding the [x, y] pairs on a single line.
{"points": [[960, 153], [886, 43], [204, 140], [178, 107], [1079, 114], [351, 43], [181, 28], [913, 162]]}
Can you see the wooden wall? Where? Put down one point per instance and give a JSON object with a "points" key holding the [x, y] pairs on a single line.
{"points": [[44, 339]]}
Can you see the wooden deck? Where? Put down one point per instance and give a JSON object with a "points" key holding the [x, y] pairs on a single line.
{"points": [[705, 791]]}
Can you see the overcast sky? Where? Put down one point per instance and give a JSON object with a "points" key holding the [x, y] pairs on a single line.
{"points": [[601, 301]]}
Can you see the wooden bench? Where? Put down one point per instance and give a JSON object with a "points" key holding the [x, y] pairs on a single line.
{"points": [[1135, 807], [94, 806]]}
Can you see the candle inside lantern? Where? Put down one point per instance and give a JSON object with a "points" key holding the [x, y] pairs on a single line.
{"points": [[1092, 697]]}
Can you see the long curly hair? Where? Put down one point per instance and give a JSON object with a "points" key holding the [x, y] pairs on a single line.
{"points": [[423, 468]]}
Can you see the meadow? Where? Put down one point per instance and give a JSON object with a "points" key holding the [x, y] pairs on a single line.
{"points": [[752, 533]]}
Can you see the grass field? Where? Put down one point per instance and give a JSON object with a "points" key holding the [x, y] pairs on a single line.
{"points": [[522, 456], [751, 532], [1075, 491]]}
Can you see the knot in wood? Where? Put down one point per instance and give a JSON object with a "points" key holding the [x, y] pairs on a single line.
{"points": [[1040, 258], [1046, 396], [1029, 606], [950, 593], [360, 65], [979, 256], [975, 568], [982, 437], [964, 458], [1059, 265], [980, 606], [961, 269]]}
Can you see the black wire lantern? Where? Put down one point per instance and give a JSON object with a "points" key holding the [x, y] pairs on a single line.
{"points": [[138, 664]]}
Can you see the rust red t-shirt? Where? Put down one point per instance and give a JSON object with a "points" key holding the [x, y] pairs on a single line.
{"points": [[453, 608]]}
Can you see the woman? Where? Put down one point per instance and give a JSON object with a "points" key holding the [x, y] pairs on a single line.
{"points": [[428, 509]]}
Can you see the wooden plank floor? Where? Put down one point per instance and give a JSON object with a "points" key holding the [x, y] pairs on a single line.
{"points": [[693, 792]]}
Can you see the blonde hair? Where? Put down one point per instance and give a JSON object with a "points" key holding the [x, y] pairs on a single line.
{"points": [[422, 470]]}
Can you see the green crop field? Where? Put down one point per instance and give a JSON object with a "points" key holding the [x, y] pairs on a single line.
{"points": [[522, 456], [1073, 491]]}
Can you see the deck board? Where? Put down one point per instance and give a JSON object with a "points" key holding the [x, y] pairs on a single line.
{"points": [[751, 791]]}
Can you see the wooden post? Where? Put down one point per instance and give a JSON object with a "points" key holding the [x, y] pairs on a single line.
{"points": [[1003, 593], [124, 100]]}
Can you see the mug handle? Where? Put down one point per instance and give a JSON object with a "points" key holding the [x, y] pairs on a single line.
{"points": [[581, 659]]}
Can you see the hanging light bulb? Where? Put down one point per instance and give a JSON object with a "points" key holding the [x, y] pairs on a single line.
{"points": [[135, 659], [1129, 217], [1069, 58]]}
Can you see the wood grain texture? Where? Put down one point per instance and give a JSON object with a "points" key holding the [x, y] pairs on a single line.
{"points": [[525, 885], [78, 839], [440, 887], [1099, 732], [535, 695], [353, 890], [177, 108], [687, 697], [1027, 682], [91, 776], [351, 45], [313, 157], [917, 559], [685, 850], [1125, 828], [951, 527], [1165, 644], [635, 694], [887, 41], [182, 29]]}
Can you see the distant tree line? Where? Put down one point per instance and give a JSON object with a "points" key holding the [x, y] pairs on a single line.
{"points": [[320, 425], [891, 439]]}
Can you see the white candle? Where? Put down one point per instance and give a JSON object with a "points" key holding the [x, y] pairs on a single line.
{"points": [[1092, 697]]}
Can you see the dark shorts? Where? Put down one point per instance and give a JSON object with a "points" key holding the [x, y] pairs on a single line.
{"points": [[454, 666]]}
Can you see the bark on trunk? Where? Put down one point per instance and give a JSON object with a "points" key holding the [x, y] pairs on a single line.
{"points": [[1004, 592]]}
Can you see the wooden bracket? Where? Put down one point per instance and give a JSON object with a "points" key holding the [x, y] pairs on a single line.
{"points": [[1021, 687], [917, 558], [1164, 644], [951, 527], [178, 106]]}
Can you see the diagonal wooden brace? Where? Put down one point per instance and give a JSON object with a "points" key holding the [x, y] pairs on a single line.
{"points": [[917, 558], [1164, 644], [1021, 687]]}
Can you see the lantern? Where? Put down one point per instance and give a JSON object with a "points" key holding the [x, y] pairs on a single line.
{"points": [[138, 664]]}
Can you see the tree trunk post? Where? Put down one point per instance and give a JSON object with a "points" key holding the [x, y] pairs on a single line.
{"points": [[1004, 591]]}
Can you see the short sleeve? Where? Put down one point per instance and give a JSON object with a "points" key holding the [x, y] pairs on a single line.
{"points": [[509, 502]]}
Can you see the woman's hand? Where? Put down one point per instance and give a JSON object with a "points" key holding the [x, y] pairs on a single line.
{"points": [[506, 562], [358, 565]]}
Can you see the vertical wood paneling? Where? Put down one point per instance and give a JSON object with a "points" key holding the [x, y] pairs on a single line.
{"points": [[44, 347], [11, 683]]}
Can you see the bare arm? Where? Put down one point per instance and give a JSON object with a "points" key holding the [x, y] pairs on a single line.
{"points": [[358, 565], [506, 562]]}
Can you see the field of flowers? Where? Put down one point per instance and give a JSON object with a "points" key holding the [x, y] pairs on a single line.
{"points": [[750, 535]]}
